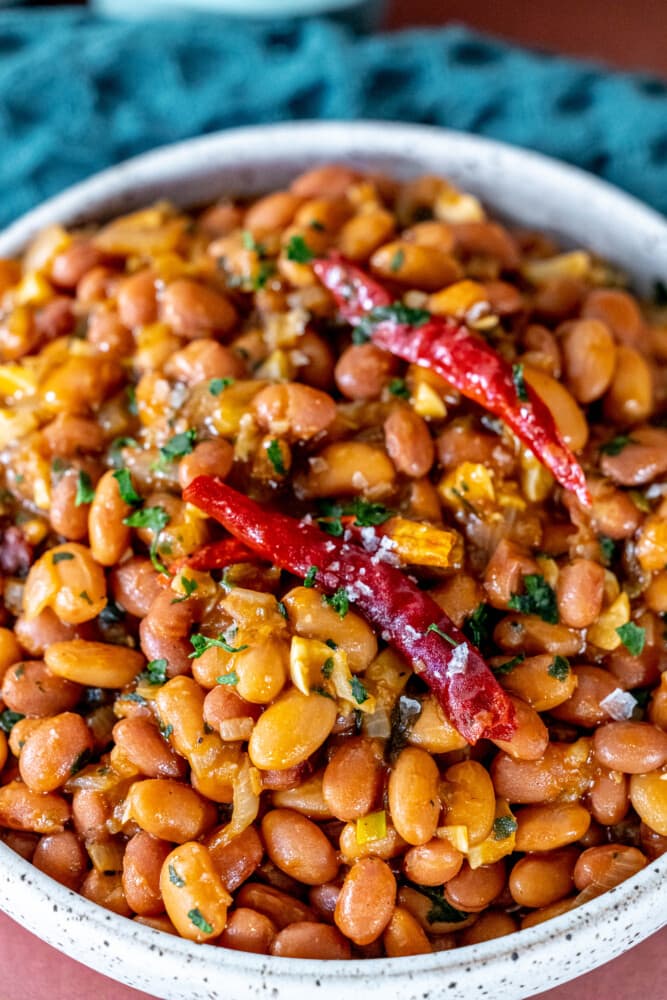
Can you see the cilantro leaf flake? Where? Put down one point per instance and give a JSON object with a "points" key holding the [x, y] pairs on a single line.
{"points": [[539, 599]]}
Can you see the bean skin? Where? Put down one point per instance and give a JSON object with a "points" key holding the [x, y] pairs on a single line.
{"points": [[142, 743], [53, 752], [631, 747], [30, 689], [298, 847], [366, 901], [409, 443], [352, 780], [248, 930], [310, 940], [142, 863], [62, 857]]}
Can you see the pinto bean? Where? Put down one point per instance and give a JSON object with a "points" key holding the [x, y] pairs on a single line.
{"points": [[135, 585], [409, 443], [203, 359], [366, 901], [641, 460], [579, 592], [363, 370], [631, 747], [142, 863], [62, 857], [589, 355], [293, 411], [142, 744], [30, 689], [193, 309]]}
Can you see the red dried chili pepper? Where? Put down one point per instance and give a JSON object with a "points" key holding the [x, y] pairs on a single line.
{"points": [[405, 616], [463, 359], [218, 555]]}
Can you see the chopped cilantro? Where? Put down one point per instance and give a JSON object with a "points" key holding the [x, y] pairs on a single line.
{"points": [[131, 400], [218, 385], [276, 457], [397, 261], [175, 878], [331, 644], [265, 271], [189, 586], [85, 596], [85, 491], [166, 730], [133, 696], [616, 445], [232, 678], [504, 827], [443, 635], [640, 501], [539, 599], [339, 601], [508, 666], [367, 513], [398, 388], [199, 921], [318, 689], [128, 494], [58, 557], [317, 226], [8, 720], [179, 445], [359, 692], [560, 668], [201, 643], [154, 519], [58, 466], [334, 527], [155, 672], [299, 251], [282, 610], [479, 626], [327, 667], [520, 383], [633, 637], [250, 243], [309, 578], [80, 762], [607, 548], [441, 911], [360, 335]]}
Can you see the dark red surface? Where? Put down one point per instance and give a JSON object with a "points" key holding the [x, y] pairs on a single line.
{"points": [[30, 970]]}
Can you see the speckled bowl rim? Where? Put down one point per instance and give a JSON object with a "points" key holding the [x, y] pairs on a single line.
{"points": [[535, 191]]}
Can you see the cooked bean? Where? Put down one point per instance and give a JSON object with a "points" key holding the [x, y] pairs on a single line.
{"points": [[10, 651], [419, 266], [68, 435], [310, 940], [474, 888], [194, 897], [108, 335], [568, 417], [203, 359], [630, 747], [353, 778], [537, 683], [363, 370], [71, 264], [23, 809], [193, 309], [542, 879], [547, 913], [62, 857], [433, 863], [54, 751], [589, 356], [248, 930], [67, 518], [584, 707], [109, 537], [366, 901], [137, 299], [580, 591], [389, 846], [291, 729], [550, 826], [312, 619], [404, 936], [347, 468], [30, 689], [142, 864], [607, 865], [298, 847], [413, 795], [609, 797], [278, 906], [409, 443], [648, 794], [304, 796], [142, 743], [164, 632], [97, 664], [134, 585], [223, 706], [532, 635], [618, 310], [293, 411], [169, 810], [531, 737], [328, 181], [564, 768], [106, 889], [68, 580], [486, 239], [641, 460], [469, 800], [421, 908], [505, 570], [629, 399], [91, 811], [235, 860], [490, 925], [271, 213], [364, 233]]}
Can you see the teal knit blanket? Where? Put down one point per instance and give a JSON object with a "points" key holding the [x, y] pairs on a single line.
{"points": [[79, 93]]}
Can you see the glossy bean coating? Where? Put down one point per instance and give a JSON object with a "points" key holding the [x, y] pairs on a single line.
{"points": [[531, 737], [293, 411], [23, 809], [490, 925], [142, 864], [539, 880], [312, 619], [55, 750], [68, 580], [280, 907], [97, 664], [608, 797], [134, 585], [169, 810], [291, 729], [310, 940], [366, 901], [469, 799], [548, 827], [608, 865], [352, 779], [648, 794], [201, 360], [194, 897], [142, 743], [630, 747], [363, 370], [589, 356], [298, 847], [583, 707], [109, 537], [209, 458], [404, 936], [433, 863], [535, 681], [235, 860], [347, 468], [68, 519], [29, 688], [62, 857], [248, 930], [629, 399], [408, 441], [474, 888], [193, 309], [413, 795], [579, 592]]}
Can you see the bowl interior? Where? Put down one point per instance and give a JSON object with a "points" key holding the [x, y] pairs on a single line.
{"points": [[532, 191]]}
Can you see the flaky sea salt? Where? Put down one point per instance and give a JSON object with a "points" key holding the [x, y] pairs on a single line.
{"points": [[619, 704]]}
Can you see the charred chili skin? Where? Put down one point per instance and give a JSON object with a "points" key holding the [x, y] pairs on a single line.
{"points": [[405, 616], [463, 359]]}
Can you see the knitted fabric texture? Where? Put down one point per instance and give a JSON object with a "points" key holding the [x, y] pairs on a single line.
{"points": [[79, 93]]}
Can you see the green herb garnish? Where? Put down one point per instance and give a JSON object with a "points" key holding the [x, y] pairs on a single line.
{"points": [[218, 385], [189, 586], [397, 387], [8, 720], [299, 251], [231, 679], [179, 445], [359, 692], [199, 921], [633, 637], [85, 596], [85, 491], [128, 494], [176, 879], [276, 457], [441, 911], [111, 613], [155, 519], [309, 578], [80, 762], [59, 557], [539, 599], [116, 447], [607, 548], [397, 261], [327, 667], [509, 665], [155, 673], [443, 635], [520, 383], [132, 408], [201, 643], [616, 445], [504, 827], [339, 601], [560, 668]]}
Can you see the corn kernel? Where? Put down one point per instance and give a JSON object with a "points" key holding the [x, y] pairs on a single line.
{"points": [[421, 544], [427, 402], [575, 264], [455, 206], [469, 484], [603, 632]]}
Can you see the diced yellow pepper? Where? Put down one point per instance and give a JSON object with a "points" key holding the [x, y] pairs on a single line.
{"points": [[470, 483], [371, 827], [457, 835], [501, 840], [421, 544], [603, 632], [427, 402]]}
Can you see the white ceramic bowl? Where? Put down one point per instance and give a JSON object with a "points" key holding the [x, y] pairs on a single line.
{"points": [[533, 191]]}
